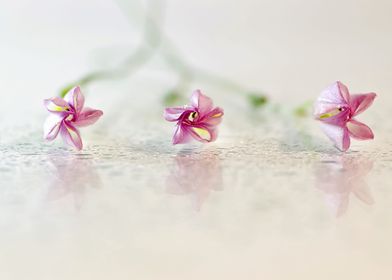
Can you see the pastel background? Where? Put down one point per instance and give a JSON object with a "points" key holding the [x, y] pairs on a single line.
{"points": [[270, 199]]}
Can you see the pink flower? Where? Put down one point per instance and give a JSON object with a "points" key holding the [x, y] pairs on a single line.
{"points": [[67, 115], [336, 109], [198, 120]]}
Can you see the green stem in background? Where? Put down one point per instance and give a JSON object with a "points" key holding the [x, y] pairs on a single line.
{"points": [[257, 100], [154, 40], [135, 61], [303, 110], [151, 39]]}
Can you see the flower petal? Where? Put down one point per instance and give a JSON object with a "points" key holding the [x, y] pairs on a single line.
{"points": [[203, 134], [333, 97], [360, 102], [202, 102], [214, 117], [181, 135], [173, 114], [339, 135], [87, 117], [56, 105], [75, 98], [335, 117], [52, 126], [359, 130], [71, 135]]}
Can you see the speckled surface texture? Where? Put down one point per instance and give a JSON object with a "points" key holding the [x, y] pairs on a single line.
{"points": [[270, 192]]}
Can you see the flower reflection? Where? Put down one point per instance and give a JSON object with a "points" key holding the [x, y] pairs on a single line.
{"points": [[195, 175], [72, 176], [342, 176]]}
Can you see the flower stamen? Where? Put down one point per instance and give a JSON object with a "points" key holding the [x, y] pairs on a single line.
{"points": [[192, 116]]}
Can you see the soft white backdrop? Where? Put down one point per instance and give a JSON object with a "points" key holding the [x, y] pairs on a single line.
{"points": [[290, 49]]}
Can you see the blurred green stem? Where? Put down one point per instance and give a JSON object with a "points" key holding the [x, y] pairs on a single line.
{"points": [[154, 40]]}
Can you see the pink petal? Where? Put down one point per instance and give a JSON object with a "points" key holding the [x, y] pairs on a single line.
{"points": [[360, 102], [214, 117], [335, 117], [181, 135], [201, 102], [87, 117], [203, 134], [75, 98], [71, 135], [338, 135], [52, 126], [359, 130], [333, 97], [56, 105], [173, 114]]}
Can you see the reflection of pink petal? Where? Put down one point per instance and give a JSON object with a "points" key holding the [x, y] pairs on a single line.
{"points": [[340, 177], [362, 192], [195, 175], [57, 191], [337, 203], [72, 176]]}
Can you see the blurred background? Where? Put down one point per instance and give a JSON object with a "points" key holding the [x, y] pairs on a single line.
{"points": [[289, 50]]}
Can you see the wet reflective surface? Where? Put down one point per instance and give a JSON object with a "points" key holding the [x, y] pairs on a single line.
{"points": [[271, 198], [72, 176], [195, 176], [342, 177]]}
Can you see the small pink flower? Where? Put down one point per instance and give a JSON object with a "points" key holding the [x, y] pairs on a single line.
{"points": [[67, 115], [198, 120], [336, 109]]}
